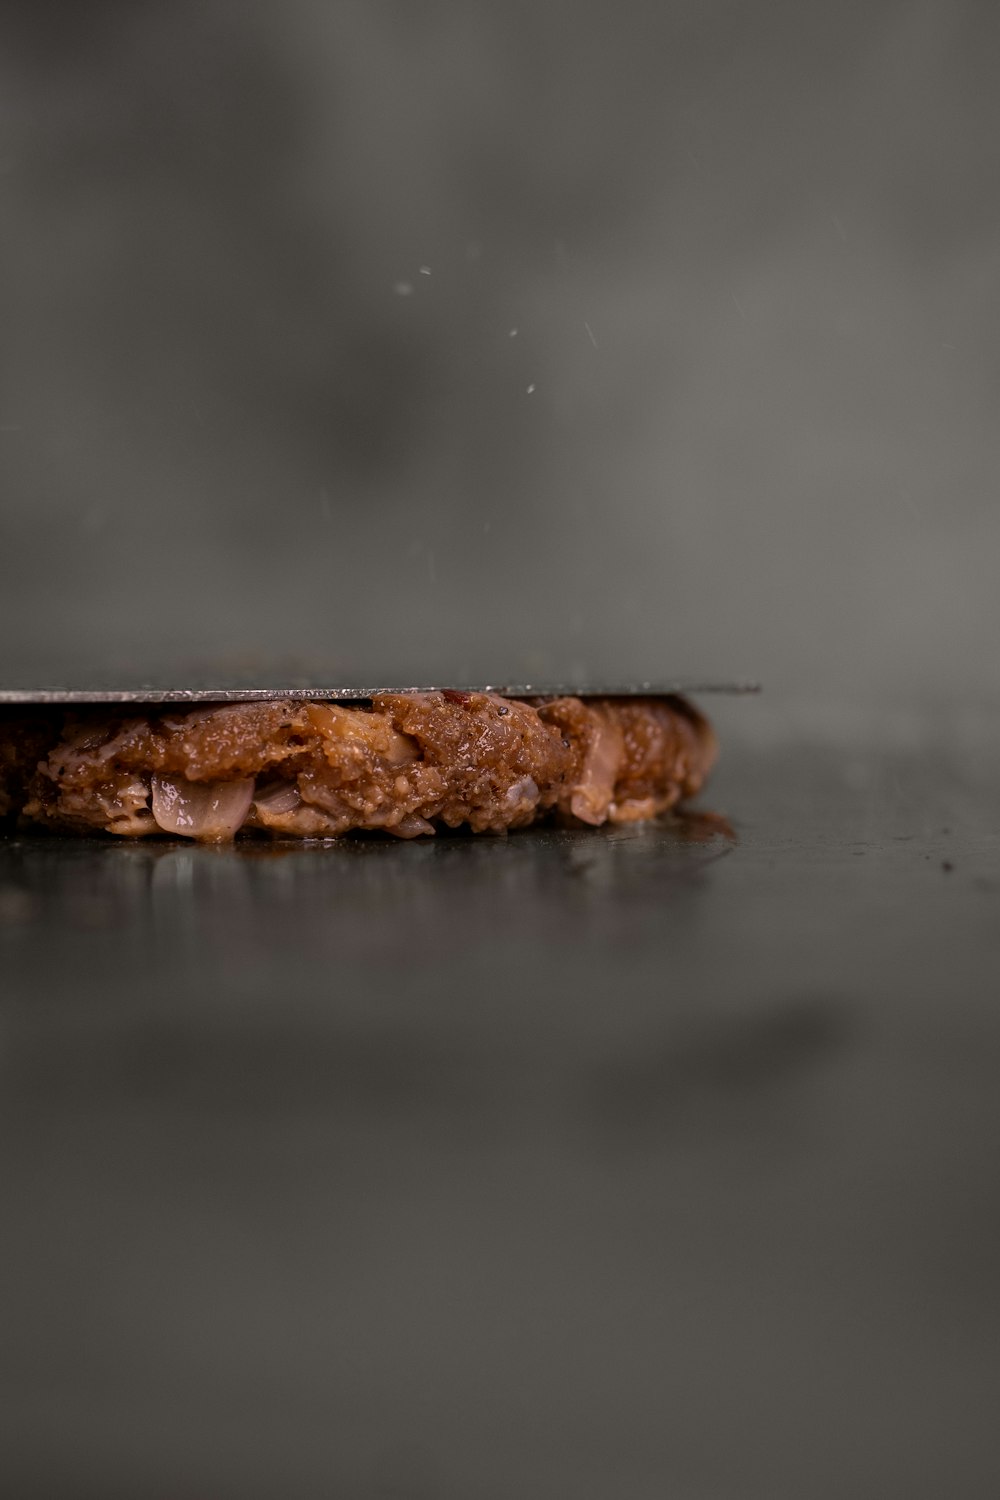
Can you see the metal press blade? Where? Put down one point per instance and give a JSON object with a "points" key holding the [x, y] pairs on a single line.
{"points": [[664, 687]]}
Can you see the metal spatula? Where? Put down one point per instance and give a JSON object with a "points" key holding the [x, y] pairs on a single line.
{"points": [[145, 694]]}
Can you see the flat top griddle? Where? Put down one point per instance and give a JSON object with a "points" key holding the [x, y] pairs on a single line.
{"points": [[582, 1162]]}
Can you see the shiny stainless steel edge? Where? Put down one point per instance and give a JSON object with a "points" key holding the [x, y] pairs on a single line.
{"points": [[141, 695]]}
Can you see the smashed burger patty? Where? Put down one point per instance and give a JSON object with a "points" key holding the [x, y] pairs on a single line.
{"points": [[314, 770]]}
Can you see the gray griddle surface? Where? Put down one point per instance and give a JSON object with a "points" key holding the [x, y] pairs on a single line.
{"points": [[573, 1164]]}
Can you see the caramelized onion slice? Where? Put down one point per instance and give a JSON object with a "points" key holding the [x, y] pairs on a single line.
{"points": [[524, 791], [211, 810], [277, 797], [594, 791]]}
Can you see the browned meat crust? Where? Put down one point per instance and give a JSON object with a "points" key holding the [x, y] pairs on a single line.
{"points": [[308, 770]]}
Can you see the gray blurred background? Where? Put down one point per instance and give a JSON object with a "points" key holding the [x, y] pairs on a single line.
{"points": [[427, 340], [417, 339]]}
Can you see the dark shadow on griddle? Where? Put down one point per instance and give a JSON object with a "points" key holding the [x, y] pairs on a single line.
{"points": [[720, 1071]]}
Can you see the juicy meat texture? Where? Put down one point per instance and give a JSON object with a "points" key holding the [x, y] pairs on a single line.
{"points": [[409, 763]]}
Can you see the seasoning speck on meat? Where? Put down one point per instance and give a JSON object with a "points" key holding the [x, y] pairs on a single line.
{"points": [[408, 764]]}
